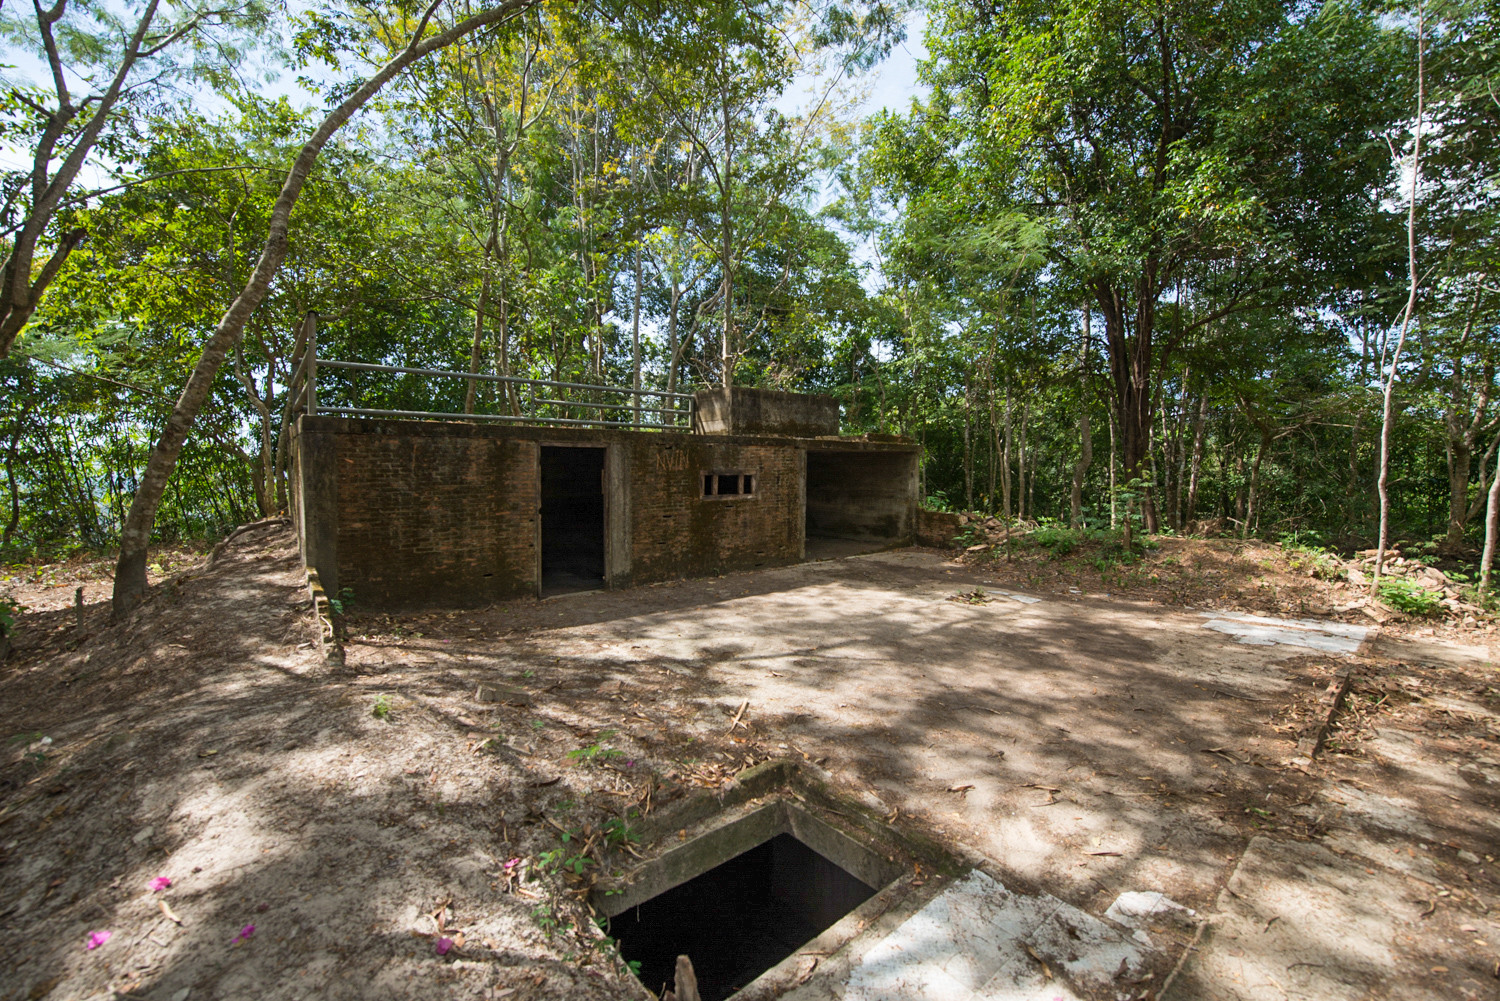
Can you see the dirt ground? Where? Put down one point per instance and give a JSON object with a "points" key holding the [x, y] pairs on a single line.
{"points": [[1089, 730]]}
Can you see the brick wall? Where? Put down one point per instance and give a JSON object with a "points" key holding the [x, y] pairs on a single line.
{"points": [[675, 532], [435, 520], [413, 514]]}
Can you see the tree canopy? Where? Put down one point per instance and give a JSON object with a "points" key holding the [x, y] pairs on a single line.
{"points": [[1109, 257]]}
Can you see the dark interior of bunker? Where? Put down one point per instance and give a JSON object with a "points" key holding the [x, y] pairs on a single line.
{"points": [[857, 502], [738, 920], [572, 519]]}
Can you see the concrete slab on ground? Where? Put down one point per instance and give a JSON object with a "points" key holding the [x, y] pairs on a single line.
{"points": [[978, 941], [1297, 920]]}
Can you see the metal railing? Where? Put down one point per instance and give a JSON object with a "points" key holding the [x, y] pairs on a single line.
{"points": [[530, 401]]}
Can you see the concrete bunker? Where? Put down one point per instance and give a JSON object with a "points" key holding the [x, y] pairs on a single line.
{"points": [[744, 899], [857, 501], [448, 512]]}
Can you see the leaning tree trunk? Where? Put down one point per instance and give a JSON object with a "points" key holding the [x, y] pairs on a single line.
{"points": [[130, 570]]}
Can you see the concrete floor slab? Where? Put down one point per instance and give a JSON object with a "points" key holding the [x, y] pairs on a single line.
{"points": [[1312, 634], [979, 941], [1299, 921]]}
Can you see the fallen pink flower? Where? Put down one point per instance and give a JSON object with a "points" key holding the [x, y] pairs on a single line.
{"points": [[511, 864], [160, 883], [244, 935], [443, 945], [98, 938]]}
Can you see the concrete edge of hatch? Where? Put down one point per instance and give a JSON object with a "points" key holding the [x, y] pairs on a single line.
{"points": [[784, 796]]}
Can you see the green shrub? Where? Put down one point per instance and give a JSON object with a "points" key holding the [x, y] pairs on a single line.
{"points": [[1410, 597], [1057, 540], [1313, 560]]}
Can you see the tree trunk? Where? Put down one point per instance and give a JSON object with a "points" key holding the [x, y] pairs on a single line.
{"points": [[130, 570], [477, 345], [1005, 505], [1260, 454], [1086, 440], [968, 440], [1413, 279], [10, 475], [1195, 465], [1491, 530]]}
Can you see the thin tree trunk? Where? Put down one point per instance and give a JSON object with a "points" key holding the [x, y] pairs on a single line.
{"points": [[1085, 439], [968, 440], [130, 570], [1021, 482], [1005, 504], [477, 345], [1200, 424], [1387, 409], [1114, 517], [1260, 454], [10, 475], [1491, 530]]}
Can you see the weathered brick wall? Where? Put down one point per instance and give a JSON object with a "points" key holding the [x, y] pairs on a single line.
{"points": [[413, 514], [435, 520], [675, 532]]}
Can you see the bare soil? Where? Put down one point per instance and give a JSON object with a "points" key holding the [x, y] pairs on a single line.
{"points": [[1095, 741]]}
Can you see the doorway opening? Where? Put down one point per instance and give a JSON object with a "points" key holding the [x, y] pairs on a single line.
{"points": [[740, 918], [572, 519], [857, 502]]}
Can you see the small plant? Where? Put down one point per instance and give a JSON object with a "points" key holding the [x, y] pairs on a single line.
{"points": [[938, 501], [10, 611], [537, 724], [343, 602], [972, 535], [382, 708], [1410, 597], [558, 859], [596, 751], [1313, 560], [617, 832]]}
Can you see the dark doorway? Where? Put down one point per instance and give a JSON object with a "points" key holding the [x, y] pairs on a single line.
{"points": [[857, 502], [572, 519], [740, 919]]}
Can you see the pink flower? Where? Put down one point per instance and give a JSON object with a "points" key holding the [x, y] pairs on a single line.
{"points": [[97, 938], [160, 883], [511, 864], [244, 935], [443, 945]]}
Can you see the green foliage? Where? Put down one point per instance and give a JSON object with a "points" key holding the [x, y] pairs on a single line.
{"points": [[596, 752], [938, 501], [1408, 596], [10, 611], [382, 708], [343, 602], [618, 833], [1313, 560], [1057, 540]]}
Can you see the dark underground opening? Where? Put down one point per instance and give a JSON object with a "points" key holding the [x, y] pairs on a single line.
{"points": [[738, 920], [857, 502], [572, 519]]}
